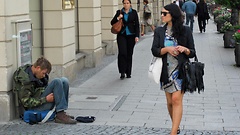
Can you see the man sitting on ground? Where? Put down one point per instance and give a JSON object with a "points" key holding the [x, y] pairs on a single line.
{"points": [[34, 92]]}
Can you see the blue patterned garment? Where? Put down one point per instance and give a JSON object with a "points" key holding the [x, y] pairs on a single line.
{"points": [[174, 84]]}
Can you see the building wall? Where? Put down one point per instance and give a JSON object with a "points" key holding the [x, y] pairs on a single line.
{"points": [[35, 15], [90, 36], [108, 10], [11, 16], [59, 38]]}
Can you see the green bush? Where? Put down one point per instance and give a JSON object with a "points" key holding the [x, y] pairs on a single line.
{"points": [[236, 36], [227, 26], [222, 18], [217, 11]]}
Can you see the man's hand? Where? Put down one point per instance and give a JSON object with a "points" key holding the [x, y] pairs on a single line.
{"points": [[50, 97]]}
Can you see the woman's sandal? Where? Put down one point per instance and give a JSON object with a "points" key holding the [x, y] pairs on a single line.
{"points": [[178, 131]]}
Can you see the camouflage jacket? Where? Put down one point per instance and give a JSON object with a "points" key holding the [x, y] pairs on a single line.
{"points": [[28, 87]]}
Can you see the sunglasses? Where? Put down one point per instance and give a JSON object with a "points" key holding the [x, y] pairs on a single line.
{"points": [[164, 13]]}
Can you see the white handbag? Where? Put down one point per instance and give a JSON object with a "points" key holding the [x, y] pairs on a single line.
{"points": [[155, 69]]}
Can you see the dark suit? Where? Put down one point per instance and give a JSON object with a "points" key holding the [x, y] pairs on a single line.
{"points": [[202, 13], [185, 39], [126, 41]]}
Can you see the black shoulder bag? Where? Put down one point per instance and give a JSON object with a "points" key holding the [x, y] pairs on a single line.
{"points": [[193, 76]]}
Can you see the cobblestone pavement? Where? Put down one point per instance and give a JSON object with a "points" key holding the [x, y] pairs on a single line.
{"points": [[21, 128]]}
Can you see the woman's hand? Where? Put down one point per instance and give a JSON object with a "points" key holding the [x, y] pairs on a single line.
{"points": [[120, 17], [173, 51], [136, 39], [183, 49]]}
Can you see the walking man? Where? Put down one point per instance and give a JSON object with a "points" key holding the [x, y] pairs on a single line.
{"points": [[189, 8]]}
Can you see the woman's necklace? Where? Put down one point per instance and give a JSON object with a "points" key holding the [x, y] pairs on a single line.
{"points": [[169, 35]]}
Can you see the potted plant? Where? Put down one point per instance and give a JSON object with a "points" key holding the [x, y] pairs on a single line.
{"points": [[217, 11], [227, 26], [221, 19], [236, 36], [234, 5], [212, 7], [228, 31]]}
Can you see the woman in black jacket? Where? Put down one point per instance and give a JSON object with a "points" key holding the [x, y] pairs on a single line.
{"points": [[127, 37], [174, 43]]}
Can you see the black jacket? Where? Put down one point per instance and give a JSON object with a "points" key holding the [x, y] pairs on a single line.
{"points": [[158, 43], [132, 23], [202, 11]]}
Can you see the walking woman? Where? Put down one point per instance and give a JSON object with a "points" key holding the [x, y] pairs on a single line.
{"points": [[127, 37], [147, 17], [203, 16], [173, 42]]}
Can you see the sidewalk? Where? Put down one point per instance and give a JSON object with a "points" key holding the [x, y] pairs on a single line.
{"points": [[137, 106]]}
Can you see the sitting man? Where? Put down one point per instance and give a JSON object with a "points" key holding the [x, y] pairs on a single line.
{"points": [[34, 92]]}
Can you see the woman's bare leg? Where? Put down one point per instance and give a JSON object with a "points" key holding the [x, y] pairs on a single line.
{"points": [[169, 103], [175, 109], [142, 29]]}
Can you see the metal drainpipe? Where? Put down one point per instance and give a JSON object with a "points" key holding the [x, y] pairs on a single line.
{"points": [[78, 47], [158, 12], [41, 28]]}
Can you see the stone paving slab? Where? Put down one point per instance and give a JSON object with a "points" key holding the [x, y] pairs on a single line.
{"points": [[216, 111]]}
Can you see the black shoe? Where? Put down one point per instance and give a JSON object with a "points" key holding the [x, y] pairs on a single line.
{"points": [[122, 76], [128, 76], [204, 30], [178, 131]]}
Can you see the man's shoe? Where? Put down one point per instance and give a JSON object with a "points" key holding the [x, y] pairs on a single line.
{"points": [[72, 117], [61, 117], [122, 76]]}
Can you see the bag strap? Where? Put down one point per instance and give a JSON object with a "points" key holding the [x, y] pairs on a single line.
{"points": [[195, 58], [120, 13], [48, 115]]}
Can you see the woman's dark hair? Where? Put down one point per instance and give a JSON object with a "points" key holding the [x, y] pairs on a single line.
{"points": [[128, 0], [177, 19], [201, 4], [146, 1], [202, 1]]}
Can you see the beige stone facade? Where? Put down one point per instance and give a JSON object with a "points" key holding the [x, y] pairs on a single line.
{"points": [[70, 38]]}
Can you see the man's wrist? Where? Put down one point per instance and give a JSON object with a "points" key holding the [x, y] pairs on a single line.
{"points": [[43, 100]]}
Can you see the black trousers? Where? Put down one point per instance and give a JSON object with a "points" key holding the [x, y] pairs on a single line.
{"points": [[202, 23], [125, 52]]}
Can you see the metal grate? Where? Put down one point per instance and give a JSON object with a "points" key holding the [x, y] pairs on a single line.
{"points": [[91, 98]]}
